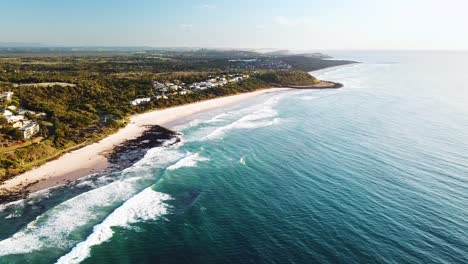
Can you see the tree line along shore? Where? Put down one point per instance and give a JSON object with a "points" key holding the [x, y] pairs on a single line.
{"points": [[77, 99]]}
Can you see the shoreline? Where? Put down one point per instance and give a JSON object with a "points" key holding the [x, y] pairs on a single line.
{"points": [[93, 158]]}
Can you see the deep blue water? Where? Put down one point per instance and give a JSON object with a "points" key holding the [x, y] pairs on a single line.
{"points": [[376, 172]]}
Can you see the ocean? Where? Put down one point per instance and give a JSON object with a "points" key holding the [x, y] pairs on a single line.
{"points": [[375, 172]]}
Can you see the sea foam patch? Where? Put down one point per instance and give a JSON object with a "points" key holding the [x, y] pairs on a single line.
{"points": [[190, 160], [218, 118], [53, 229], [145, 205], [59, 227], [215, 123], [260, 115], [259, 118]]}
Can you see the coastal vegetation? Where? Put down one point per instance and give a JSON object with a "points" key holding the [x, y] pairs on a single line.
{"points": [[287, 78], [85, 97]]}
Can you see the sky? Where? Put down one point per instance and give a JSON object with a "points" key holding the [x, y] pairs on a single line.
{"points": [[288, 24]]}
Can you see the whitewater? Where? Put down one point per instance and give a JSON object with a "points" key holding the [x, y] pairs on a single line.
{"points": [[375, 172]]}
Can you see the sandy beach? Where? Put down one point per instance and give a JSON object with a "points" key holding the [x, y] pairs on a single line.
{"points": [[91, 159]]}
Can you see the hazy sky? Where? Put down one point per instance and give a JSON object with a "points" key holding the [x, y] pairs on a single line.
{"points": [[291, 24]]}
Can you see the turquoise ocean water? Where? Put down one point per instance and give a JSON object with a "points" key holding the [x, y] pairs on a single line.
{"points": [[376, 172]]}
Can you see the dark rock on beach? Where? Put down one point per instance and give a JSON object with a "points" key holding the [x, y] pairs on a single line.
{"points": [[131, 151], [121, 157]]}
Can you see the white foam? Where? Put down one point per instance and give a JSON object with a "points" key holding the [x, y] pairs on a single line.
{"points": [[242, 160], [59, 227], [13, 215], [158, 157], [308, 98], [16, 204], [190, 160], [146, 205], [190, 124], [243, 117], [53, 228], [253, 117], [218, 118], [259, 118]]}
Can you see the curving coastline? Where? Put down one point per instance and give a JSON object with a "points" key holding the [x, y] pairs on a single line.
{"points": [[125, 147], [101, 155]]}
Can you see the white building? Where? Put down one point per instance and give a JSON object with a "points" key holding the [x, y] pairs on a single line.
{"points": [[30, 130], [140, 101], [14, 118], [17, 123], [158, 85], [194, 86]]}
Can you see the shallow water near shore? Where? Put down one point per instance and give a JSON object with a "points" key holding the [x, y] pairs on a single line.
{"points": [[376, 172]]}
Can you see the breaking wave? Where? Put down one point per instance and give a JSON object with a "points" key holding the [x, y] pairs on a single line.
{"points": [[60, 227], [190, 160], [218, 118], [257, 117], [146, 205]]}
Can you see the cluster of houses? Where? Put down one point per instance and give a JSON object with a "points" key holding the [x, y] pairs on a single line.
{"points": [[167, 89], [259, 64], [16, 117]]}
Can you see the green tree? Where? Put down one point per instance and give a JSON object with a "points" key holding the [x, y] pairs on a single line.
{"points": [[3, 121]]}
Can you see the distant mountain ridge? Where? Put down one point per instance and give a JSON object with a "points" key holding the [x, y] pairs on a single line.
{"points": [[20, 44]]}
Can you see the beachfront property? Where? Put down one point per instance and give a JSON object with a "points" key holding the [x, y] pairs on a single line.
{"points": [[175, 87], [29, 130], [139, 101], [16, 117], [27, 127], [13, 120], [158, 85], [6, 96], [213, 81], [16, 121]]}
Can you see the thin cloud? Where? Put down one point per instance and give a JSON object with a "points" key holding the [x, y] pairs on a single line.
{"points": [[186, 26], [292, 22], [208, 6]]}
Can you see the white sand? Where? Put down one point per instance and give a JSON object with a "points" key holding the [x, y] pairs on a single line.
{"points": [[90, 159]]}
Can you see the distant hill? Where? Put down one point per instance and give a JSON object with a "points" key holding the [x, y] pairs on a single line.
{"points": [[308, 63], [30, 48], [19, 44], [279, 53]]}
